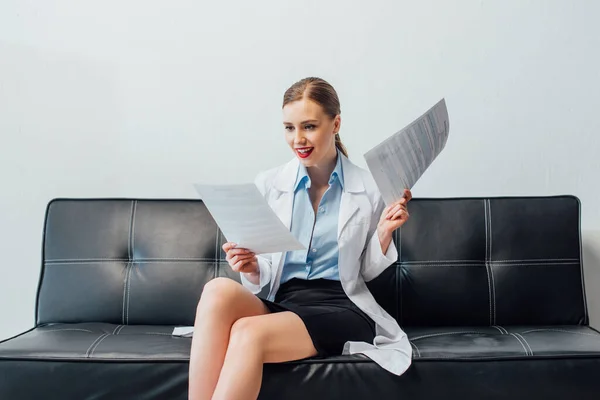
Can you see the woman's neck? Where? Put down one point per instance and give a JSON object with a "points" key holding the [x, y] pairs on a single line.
{"points": [[319, 174]]}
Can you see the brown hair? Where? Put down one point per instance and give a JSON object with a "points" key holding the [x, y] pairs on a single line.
{"points": [[322, 93]]}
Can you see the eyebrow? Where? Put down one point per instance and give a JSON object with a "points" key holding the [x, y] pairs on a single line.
{"points": [[303, 122]]}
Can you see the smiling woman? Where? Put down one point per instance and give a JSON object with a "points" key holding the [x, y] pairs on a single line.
{"points": [[317, 98], [318, 302]]}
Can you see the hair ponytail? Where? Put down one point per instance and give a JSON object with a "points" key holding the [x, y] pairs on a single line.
{"points": [[340, 146]]}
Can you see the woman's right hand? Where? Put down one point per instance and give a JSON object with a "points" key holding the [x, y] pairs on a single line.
{"points": [[240, 259]]}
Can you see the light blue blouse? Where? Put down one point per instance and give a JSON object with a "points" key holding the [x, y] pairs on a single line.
{"points": [[320, 258]]}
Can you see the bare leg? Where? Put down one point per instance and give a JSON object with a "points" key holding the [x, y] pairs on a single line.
{"points": [[223, 302], [269, 338]]}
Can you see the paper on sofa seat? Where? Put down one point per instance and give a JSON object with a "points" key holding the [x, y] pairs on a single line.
{"points": [[400, 160], [183, 331], [245, 218]]}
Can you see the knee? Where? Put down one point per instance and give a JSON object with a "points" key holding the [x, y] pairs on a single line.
{"points": [[217, 295], [247, 334]]}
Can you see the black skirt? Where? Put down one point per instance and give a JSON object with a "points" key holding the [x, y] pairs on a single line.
{"points": [[330, 317]]}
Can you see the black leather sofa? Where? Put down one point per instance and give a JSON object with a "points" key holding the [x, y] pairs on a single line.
{"points": [[490, 292]]}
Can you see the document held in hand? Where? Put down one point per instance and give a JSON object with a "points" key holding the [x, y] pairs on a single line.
{"points": [[245, 218], [400, 160]]}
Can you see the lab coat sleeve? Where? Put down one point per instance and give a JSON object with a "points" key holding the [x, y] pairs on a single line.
{"points": [[373, 261]]}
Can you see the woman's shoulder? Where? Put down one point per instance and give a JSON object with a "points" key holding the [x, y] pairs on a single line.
{"points": [[367, 179], [365, 176], [267, 178]]}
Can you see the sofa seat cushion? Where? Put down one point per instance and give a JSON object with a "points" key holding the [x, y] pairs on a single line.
{"points": [[98, 341], [109, 361], [504, 342], [102, 341]]}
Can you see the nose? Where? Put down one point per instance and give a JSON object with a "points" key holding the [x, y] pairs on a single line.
{"points": [[299, 137]]}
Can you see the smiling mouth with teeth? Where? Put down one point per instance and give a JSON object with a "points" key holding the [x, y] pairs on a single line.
{"points": [[304, 152]]}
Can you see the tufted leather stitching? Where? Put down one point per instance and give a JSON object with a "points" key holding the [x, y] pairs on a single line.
{"points": [[466, 262], [448, 333], [524, 348], [137, 260], [487, 266], [503, 330], [416, 348], [65, 329], [528, 346], [561, 330], [93, 343], [131, 255], [125, 291], [549, 264], [443, 265], [497, 327], [575, 260], [131, 267], [98, 343], [435, 263], [489, 209]]}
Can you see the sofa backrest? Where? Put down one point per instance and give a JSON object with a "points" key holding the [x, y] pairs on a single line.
{"points": [[499, 261], [127, 261], [486, 262]]}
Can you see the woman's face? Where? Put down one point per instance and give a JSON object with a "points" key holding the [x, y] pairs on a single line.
{"points": [[310, 132]]}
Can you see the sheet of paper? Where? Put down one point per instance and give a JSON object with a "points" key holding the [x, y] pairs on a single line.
{"points": [[398, 162], [183, 331], [245, 218]]}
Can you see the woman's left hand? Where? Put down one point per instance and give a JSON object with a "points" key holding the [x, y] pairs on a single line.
{"points": [[393, 217]]}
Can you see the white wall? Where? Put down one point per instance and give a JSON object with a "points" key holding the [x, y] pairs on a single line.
{"points": [[142, 98]]}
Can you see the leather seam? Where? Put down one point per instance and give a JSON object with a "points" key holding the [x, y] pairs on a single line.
{"points": [[574, 260], [131, 267], [98, 344], [124, 292], [132, 232], [496, 327], [132, 256], [448, 333], [594, 355], [521, 343], [487, 267], [93, 343], [561, 330], [526, 343], [66, 260], [416, 348], [503, 330], [489, 209]]}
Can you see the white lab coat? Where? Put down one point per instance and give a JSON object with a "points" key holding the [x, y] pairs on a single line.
{"points": [[360, 256]]}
